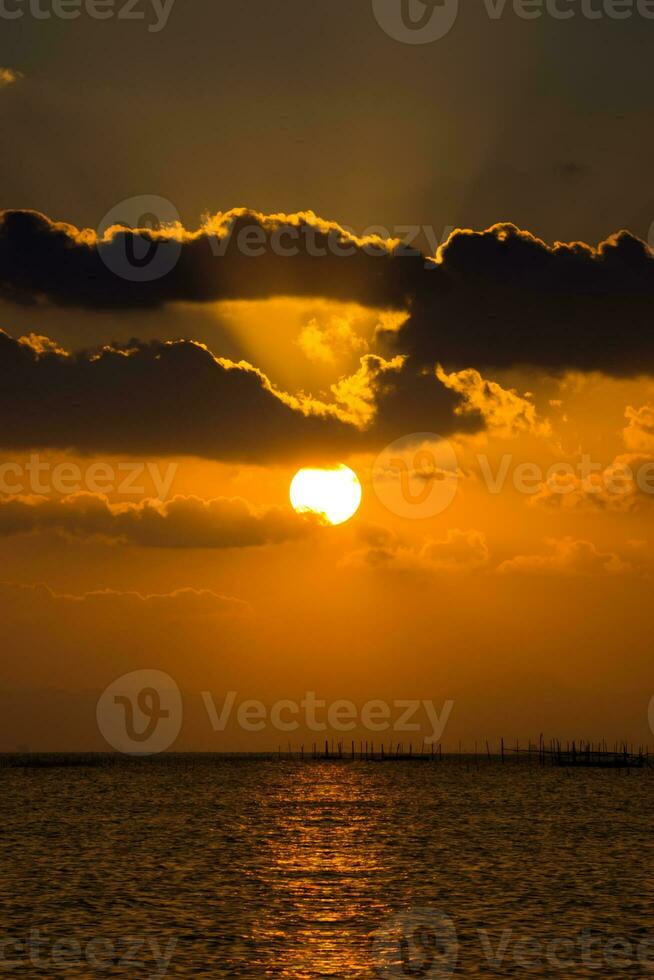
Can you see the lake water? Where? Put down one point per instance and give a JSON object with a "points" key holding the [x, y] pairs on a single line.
{"points": [[208, 867]]}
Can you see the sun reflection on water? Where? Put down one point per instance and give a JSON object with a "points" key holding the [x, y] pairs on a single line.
{"points": [[322, 862]]}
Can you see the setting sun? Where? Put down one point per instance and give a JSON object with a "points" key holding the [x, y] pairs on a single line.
{"points": [[335, 493]]}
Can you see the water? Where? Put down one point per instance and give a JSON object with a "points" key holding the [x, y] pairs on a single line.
{"points": [[265, 868]]}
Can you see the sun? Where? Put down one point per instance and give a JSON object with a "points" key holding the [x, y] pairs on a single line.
{"points": [[334, 494]]}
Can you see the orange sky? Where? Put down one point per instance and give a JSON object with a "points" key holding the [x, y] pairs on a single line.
{"points": [[528, 610], [244, 239]]}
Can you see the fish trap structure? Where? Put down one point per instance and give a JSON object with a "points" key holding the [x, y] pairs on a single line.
{"points": [[579, 755]]}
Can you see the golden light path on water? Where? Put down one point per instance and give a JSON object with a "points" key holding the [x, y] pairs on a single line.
{"points": [[321, 864]]}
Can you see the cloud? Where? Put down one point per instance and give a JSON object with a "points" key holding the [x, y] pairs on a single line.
{"points": [[504, 411], [623, 485], [239, 254], [327, 343], [177, 398], [181, 603], [502, 298], [458, 551], [183, 522], [566, 557], [639, 433], [490, 299], [9, 76]]}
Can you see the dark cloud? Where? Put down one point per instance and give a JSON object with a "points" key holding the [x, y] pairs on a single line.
{"points": [[239, 255], [176, 398], [183, 522], [490, 299], [504, 298]]}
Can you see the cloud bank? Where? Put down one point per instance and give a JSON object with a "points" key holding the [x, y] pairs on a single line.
{"points": [[495, 298], [183, 522], [177, 398]]}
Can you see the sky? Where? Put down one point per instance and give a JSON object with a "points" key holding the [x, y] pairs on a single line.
{"points": [[242, 239]]}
